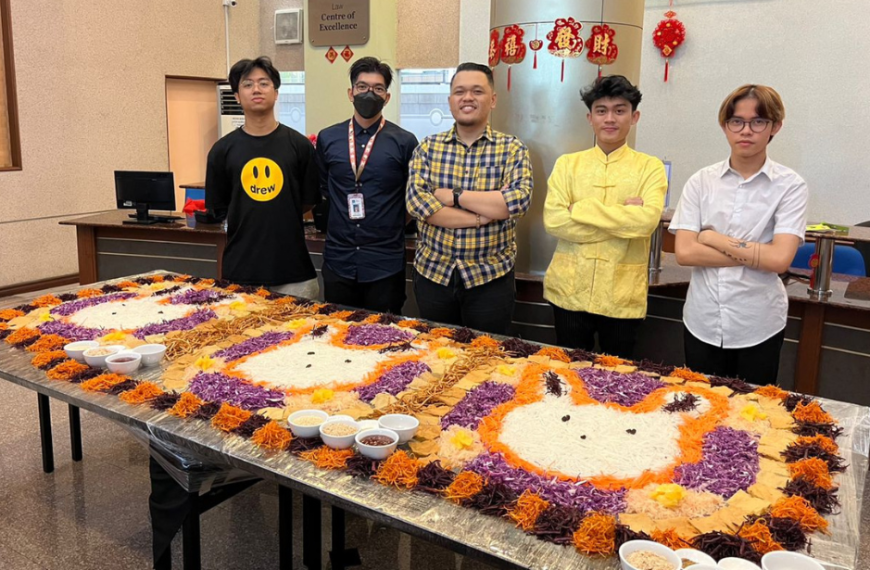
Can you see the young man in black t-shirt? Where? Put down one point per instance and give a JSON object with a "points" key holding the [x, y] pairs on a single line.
{"points": [[262, 178]]}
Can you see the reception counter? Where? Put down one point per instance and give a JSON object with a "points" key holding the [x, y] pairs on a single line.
{"points": [[827, 342]]}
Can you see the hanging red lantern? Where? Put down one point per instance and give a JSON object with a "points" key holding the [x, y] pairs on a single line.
{"points": [[494, 51], [565, 40], [668, 36], [600, 47], [513, 49], [535, 45]]}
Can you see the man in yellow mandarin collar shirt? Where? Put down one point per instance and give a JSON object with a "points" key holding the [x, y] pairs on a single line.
{"points": [[603, 204]]}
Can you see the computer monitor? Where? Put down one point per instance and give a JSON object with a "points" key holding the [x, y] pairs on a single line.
{"points": [[144, 191]]}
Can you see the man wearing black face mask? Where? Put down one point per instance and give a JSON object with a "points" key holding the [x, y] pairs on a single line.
{"points": [[363, 171]]}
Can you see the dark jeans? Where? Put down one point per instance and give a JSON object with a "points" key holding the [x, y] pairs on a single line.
{"points": [[385, 295], [488, 307], [757, 364], [576, 329]]}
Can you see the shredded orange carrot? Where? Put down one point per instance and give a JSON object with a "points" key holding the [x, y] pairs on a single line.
{"points": [[813, 413], [441, 332], [87, 293], [328, 458], [233, 287], [272, 436], [181, 278], [554, 353], [144, 392], [46, 301], [186, 406], [609, 361], [466, 485], [9, 314], [103, 382], [399, 470], [814, 470], [229, 417], [408, 323], [44, 358], [772, 391], [596, 535], [759, 535], [670, 538], [22, 335], [484, 341], [264, 293], [687, 374], [48, 343], [285, 300], [206, 283], [341, 315], [157, 279], [372, 319], [66, 370], [3, 326], [799, 509], [127, 285], [823, 441], [527, 510]]}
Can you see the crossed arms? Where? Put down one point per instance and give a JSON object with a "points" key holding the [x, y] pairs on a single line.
{"points": [[712, 249]]}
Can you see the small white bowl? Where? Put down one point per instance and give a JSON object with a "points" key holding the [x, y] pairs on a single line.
{"points": [[152, 354], [75, 350], [306, 431], [377, 451], [783, 560], [124, 362], [696, 556], [339, 441], [732, 563], [99, 361], [648, 546], [403, 424], [703, 567]]}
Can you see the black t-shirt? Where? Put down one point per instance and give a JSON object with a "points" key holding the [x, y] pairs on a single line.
{"points": [[260, 184]]}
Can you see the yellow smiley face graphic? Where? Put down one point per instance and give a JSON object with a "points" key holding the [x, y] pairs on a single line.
{"points": [[262, 179]]}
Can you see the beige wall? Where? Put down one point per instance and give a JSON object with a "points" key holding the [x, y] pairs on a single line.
{"points": [[428, 34], [289, 57], [192, 127], [91, 94]]}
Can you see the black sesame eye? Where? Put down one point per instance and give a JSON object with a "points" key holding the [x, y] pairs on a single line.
{"points": [[307, 366], [631, 431], [310, 353], [582, 437], [347, 361], [566, 418]]}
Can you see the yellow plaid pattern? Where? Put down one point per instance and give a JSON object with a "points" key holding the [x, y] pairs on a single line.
{"points": [[495, 162]]}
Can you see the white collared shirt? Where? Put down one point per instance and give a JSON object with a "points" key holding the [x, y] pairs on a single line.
{"points": [[739, 307]]}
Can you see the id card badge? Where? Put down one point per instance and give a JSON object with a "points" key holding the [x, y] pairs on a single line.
{"points": [[356, 206]]}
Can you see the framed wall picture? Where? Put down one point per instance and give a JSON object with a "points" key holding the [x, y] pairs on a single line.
{"points": [[288, 26]]}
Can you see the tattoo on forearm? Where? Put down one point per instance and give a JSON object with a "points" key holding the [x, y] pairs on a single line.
{"points": [[752, 257]]}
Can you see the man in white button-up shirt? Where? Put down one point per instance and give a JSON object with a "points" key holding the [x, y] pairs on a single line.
{"points": [[739, 224]]}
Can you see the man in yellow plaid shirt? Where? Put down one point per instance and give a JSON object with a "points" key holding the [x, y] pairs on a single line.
{"points": [[467, 189]]}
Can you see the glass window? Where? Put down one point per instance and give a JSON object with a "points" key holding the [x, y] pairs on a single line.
{"points": [[291, 100], [423, 95]]}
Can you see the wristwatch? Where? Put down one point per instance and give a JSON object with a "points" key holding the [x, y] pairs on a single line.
{"points": [[456, 194]]}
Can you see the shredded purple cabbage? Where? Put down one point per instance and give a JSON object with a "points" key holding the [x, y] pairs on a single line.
{"points": [[72, 307], [198, 297], [368, 335], [393, 380], [252, 345], [577, 495], [180, 324], [477, 404], [730, 463], [623, 389], [217, 387], [70, 331]]}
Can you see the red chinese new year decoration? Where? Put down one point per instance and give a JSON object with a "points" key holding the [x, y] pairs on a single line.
{"points": [[513, 50], [331, 54], [668, 36], [565, 40], [347, 53], [535, 45], [600, 47], [494, 51]]}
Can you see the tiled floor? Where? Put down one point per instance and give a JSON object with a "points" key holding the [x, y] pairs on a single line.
{"points": [[94, 514]]}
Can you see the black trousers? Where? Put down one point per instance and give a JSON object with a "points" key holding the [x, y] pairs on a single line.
{"points": [[576, 329], [488, 307], [757, 364], [385, 295]]}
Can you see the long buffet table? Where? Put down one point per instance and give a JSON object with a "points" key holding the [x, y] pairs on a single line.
{"points": [[463, 530]]}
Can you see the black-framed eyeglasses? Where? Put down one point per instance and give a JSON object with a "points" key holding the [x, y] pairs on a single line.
{"points": [[361, 87], [757, 125]]}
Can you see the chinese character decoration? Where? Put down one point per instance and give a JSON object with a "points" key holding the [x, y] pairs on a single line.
{"points": [[513, 50], [600, 47], [331, 54], [494, 51], [668, 36], [347, 54], [565, 40]]}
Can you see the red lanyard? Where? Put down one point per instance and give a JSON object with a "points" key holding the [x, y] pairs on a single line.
{"points": [[357, 171]]}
